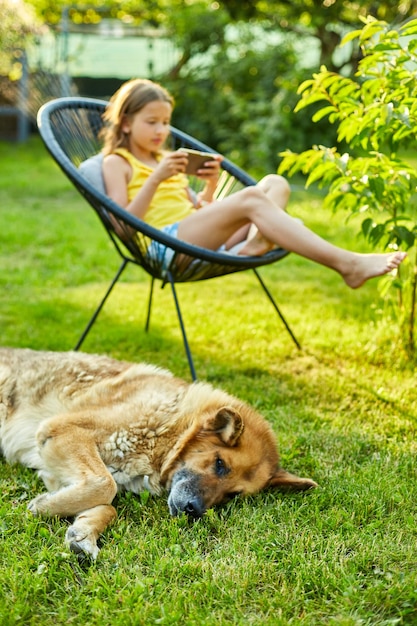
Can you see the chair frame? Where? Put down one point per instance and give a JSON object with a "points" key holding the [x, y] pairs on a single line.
{"points": [[61, 123]]}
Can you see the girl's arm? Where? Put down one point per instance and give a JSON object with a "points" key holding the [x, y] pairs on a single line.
{"points": [[117, 174], [210, 173]]}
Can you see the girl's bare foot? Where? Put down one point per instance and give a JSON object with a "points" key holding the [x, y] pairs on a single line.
{"points": [[256, 245], [366, 266]]}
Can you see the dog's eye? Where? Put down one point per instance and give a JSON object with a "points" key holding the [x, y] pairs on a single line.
{"points": [[233, 494], [220, 467]]}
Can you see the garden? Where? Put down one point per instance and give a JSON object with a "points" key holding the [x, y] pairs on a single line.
{"points": [[343, 407], [343, 412]]}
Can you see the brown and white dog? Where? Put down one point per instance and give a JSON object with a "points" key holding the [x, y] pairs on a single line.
{"points": [[92, 425]]}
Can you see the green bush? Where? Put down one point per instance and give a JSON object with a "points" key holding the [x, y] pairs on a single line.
{"points": [[376, 118], [240, 97]]}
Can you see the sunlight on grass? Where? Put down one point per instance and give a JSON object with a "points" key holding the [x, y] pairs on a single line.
{"points": [[343, 408]]}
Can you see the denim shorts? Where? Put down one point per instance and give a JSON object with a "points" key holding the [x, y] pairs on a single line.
{"points": [[159, 252], [163, 256]]}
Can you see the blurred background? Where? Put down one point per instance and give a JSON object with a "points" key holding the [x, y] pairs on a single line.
{"points": [[233, 67]]}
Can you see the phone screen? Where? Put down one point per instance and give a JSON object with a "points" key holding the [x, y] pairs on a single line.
{"points": [[196, 160]]}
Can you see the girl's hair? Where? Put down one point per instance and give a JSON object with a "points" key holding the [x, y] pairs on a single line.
{"points": [[129, 99]]}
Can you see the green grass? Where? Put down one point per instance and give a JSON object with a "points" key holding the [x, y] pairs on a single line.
{"points": [[344, 410]]}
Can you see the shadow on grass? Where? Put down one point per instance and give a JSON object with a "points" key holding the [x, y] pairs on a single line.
{"points": [[55, 318]]}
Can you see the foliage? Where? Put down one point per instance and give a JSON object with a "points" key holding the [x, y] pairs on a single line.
{"points": [[241, 101], [239, 66], [195, 29], [327, 21], [155, 13], [17, 23], [343, 555], [376, 116]]}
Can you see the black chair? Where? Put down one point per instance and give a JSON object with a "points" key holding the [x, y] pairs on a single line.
{"points": [[70, 129]]}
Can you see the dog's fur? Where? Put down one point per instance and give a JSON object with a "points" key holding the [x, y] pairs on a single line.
{"points": [[92, 425]]}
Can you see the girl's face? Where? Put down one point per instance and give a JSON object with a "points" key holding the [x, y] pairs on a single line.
{"points": [[148, 128]]}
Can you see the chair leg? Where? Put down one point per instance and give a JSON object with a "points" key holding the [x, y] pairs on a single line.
{"points": [[148, 316], [184, 335], [274, 304], [100, 306]]}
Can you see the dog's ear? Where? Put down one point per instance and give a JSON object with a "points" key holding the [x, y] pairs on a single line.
{"points": [[285, 481], [227, 424]]}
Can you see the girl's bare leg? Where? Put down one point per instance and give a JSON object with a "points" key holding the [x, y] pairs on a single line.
{"points": [[212, 225], [239, 236], [277, 189]]}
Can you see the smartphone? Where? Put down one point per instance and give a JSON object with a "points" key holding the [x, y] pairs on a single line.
{"points": [[196, 160]]}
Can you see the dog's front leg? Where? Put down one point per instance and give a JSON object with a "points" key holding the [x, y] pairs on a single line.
{"points": [[82, 535], [73, 468], [83, 493], [83, 487]]}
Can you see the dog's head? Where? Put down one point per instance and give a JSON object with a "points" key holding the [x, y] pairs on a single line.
{"points": [[233, 452]]}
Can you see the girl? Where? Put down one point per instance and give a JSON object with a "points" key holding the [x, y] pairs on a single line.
{"points": [[150, 183]]}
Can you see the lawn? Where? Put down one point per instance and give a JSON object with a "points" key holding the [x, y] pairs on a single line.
{"points": [[344, 409]]}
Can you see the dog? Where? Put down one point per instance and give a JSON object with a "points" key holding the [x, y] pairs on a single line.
{"points": [[92, 425]]}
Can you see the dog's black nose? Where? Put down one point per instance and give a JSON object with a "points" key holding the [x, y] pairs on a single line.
{"points": [[195, 508]]}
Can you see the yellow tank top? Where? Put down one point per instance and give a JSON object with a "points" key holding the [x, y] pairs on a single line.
{"points": [[170, 203]]}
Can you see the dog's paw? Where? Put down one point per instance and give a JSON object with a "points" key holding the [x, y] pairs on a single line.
{"points": [[39, 505], [80, 543]]}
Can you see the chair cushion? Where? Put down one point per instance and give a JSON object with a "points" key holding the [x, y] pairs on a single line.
{"points": [[92, 170]]}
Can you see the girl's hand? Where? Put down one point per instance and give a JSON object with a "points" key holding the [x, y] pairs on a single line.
{"points": [[172, 164], [210, 173], [211, 170]]}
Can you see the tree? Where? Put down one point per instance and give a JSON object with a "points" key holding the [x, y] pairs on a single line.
{"points": [[376, 117], [326, 20], [17, 23], [241, 101], [228, 82], [194, 27]]}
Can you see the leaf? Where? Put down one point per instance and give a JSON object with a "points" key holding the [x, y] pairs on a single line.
{"points": [[385, 46], [370, 29], [377, 186], [403, 132], [367, 226], [409, 29], [306, 100], [401, 234], [412, 45], [319, 172], [376, 233], [354, 34], [323, 112], [305, 85]]}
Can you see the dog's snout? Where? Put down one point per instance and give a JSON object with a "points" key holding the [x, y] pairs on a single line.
{"points": [[195, 508], [186, 495]]}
